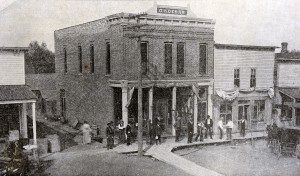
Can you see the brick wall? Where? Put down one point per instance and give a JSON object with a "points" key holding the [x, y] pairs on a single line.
{"points": [[88, 95]]}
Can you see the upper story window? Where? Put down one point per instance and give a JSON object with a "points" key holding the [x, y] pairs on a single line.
{"points": [[65, 61], [80, 58], [253, 78], [108, 67], [237, 77], [144, 57], [168, 58], [202, 58], [92, 59], [180, 58]]}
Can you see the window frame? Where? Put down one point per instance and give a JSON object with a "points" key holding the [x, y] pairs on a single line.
{"points": [[237, 79], [145, 69], [202, 71], [108, 58], [256, 113], [65, 60], [183, 58], [92, 58], [80, 58], [228, 111], [168, 71], [253, 77]]}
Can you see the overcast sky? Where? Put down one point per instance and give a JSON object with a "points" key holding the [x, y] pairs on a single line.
{"points": [[251, 22]]}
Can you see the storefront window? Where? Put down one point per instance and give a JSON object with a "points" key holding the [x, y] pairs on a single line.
{"points": [[259, 110], [226, 111]]}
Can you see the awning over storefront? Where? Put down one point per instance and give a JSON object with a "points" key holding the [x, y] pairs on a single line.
{"points": [[10, 94], [291, 92]]}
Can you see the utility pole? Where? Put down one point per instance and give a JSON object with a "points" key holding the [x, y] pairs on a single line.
{"points": [[140, 79], [140, 96]]}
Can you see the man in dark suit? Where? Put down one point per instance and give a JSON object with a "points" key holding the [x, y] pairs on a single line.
{"points": [[177, 126], [110, 135], [190, 130], [209, 125], [128, 133]]}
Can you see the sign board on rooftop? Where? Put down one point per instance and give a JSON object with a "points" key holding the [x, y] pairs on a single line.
{"points": [[171, 11]]}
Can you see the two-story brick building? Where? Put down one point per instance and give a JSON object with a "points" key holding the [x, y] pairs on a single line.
{"points": [[287, 84], [16, 99], [243, 83], [98, 67]]}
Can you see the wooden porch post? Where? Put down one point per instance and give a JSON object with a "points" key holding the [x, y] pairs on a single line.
{"points": [[23, 122], [34, 124], [151, 103], [173, 109], [124, 103], [195, 113]]}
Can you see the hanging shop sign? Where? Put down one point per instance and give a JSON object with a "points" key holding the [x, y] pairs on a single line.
{"points": [[172, 11]]}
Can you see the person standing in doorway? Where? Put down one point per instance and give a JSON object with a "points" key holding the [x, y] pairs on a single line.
{"points": [[229, 127], [177, 126], [190, 130], [110, 135], [208, 126], [220, 127], [86, 131], [243, 127]]}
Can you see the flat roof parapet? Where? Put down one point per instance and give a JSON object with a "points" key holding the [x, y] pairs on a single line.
{"points": [[245, 47]]}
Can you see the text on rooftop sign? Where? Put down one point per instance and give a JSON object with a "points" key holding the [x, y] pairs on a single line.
{"points": [[172, 11]]}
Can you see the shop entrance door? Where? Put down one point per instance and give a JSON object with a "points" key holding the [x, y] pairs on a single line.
{"points": [[162, 109], [243, 113]]}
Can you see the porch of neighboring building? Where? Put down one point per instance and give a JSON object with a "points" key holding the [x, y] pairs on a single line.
{"points": [[290, 105], [253, 106], [17, 102]]}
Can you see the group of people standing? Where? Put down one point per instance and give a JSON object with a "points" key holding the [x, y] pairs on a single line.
{"points": [[228, 126], [125, 133], [204, 128], [155, 129]]}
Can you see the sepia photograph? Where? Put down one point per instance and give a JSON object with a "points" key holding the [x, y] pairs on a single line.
{"points": [[149, 88]]}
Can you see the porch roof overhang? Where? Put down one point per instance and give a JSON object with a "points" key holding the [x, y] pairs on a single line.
{"points": [[162, 83], [293, 93], [14, 94]]}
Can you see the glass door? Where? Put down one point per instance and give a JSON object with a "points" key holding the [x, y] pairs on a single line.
{"points": [[243, 113]]}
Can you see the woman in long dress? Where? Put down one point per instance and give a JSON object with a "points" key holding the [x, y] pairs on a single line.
{"points": [[121, 128], [86, 131]]}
